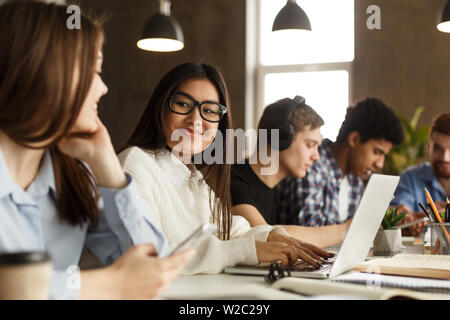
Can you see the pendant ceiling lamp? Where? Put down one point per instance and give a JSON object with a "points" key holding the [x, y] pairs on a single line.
{"points": [[290, 17], [444, 18], [162, 32]]}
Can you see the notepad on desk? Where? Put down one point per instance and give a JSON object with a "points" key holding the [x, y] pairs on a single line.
{"points": [[412, 265], [373, 287], [379, 281]]}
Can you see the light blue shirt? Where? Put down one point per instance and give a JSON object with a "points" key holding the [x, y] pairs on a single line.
{"points": [[29, 221], [410, 189]]}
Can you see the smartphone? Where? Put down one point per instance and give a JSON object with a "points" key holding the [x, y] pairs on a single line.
{"points": [[196, 238]]}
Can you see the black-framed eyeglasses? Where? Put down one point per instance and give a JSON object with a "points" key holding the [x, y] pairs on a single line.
{"points": [[276, 271], [182, 103]]}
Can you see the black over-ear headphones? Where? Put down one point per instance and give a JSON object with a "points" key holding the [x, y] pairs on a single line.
{"points": [[276, 116]]}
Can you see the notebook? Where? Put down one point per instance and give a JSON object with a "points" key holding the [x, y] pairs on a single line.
{"points": [[376, 287], [358, 241], [376, 281]]}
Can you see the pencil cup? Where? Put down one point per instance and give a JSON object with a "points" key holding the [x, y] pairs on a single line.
{"points": [[440, 238]]}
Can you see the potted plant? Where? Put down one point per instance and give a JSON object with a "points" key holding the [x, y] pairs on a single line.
{"points": [[413, 149], [388, 241]]}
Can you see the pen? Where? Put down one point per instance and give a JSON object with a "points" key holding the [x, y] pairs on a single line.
{"points": [[430, 212], [425, 211]]}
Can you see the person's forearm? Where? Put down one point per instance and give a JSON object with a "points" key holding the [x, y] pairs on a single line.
{"points": [[98, 284], [322, 237], [107, 169], [109, 173]]}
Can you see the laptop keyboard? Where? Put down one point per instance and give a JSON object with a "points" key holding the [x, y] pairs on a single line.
{"points": [[325, 268], [301, 265]]}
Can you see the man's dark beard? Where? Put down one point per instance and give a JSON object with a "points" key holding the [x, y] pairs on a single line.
{"points": [[437, 172]]}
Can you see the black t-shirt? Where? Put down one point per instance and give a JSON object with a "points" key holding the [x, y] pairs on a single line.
{"points": [[247, 188]]}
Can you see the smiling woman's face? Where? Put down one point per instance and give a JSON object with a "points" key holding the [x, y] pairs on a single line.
{"points": [[190, 134]]}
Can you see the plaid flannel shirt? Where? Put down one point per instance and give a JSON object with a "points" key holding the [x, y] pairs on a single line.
{"points": [[313, 200]]}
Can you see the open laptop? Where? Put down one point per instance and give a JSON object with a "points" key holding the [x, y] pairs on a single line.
{"points": [[358, 241]]}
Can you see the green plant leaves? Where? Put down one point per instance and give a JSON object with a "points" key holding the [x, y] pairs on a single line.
{"points": [[392, 218], [396, 219], [413, 149], [416, 116]]}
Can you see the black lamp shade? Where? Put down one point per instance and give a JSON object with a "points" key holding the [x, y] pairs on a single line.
{"points": [[444, 19], [291, 16], [161, 33]]}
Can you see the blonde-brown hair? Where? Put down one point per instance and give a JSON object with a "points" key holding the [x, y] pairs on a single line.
{"points": [[302, 116], [46, 71], [305, 116]]}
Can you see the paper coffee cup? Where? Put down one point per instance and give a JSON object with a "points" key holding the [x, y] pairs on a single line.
{"points": [[25, 276]]}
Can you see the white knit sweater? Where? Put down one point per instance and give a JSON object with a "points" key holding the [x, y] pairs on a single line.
{"points": [[178, 200]]}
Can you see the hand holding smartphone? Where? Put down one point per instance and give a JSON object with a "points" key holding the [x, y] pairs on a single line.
{"points": [[197, 237]]}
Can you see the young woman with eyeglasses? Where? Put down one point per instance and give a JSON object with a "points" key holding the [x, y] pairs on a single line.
{"points": [[188, 110], [62, 187]]}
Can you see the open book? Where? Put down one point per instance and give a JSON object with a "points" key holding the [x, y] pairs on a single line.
{"points": [[413, 265]]}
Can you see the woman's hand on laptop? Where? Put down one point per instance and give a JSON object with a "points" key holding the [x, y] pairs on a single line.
{"points": [[305, 251], [276, 252]]}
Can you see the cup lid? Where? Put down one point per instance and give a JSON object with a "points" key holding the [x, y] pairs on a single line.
{"points": [[24, 257]]}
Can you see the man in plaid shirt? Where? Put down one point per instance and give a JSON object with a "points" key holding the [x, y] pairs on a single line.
{"points": [[332, 188]]}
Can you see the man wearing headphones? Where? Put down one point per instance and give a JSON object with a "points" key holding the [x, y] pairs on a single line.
{"points": [[332, 188], [253, 191]]}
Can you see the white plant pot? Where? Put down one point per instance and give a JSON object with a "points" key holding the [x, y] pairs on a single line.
{"points": [[387, 242]]}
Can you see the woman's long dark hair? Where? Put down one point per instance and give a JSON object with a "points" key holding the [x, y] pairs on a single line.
{"points": [[39, 100], [149, 134]]}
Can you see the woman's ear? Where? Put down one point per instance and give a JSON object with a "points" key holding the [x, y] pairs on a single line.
{"points": [[353, 139]]}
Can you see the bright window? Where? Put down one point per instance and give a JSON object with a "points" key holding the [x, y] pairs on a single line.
{"points": [[325, 91], [315, 65]]}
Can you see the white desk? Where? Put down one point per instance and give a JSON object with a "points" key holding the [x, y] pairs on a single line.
{"points": [[224, 286], [237, 287], [227, 286]]}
